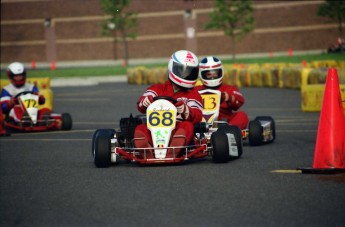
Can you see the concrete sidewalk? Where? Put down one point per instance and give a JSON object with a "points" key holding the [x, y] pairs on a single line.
{"points": [[147, 61], [86, 81]]}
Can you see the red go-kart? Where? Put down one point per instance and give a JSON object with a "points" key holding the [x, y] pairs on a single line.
{"points": [[30, 122]]}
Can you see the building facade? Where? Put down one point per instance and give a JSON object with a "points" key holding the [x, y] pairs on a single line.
{"points": [[70, 30]]}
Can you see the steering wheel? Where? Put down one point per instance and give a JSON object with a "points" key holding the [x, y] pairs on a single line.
{"points": [[23, 93], [171, 99]]}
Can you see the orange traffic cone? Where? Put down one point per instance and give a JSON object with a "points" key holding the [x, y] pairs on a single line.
{"points": [[53, 65], [33, 64], [329, 154]]}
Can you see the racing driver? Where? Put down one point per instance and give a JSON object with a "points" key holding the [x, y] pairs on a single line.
{"points": [[211, 75], [183, 71], [16, 73]]}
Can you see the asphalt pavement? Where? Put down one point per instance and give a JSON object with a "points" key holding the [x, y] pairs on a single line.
{"points": [[49, 179]]}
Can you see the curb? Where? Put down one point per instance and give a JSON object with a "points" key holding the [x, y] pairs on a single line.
{"points": [[86, 81]]}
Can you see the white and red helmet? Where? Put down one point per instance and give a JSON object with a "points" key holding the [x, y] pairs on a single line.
{"points": [[211, 64], [14, 69], [183, 68]]}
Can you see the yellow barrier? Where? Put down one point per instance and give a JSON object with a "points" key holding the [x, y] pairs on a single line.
{"points": [[43, 85], [312, 88], [280, 75], [231, 75], [325, 63], [161, 74], [267, 76], [255, 76], [291, 77], [341, 64]]}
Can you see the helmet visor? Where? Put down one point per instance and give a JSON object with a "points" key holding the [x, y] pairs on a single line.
{"points": [[211, 74], [185, 72]]}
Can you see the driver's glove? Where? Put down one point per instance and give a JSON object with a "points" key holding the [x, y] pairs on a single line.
{"points": [[182, 109], [14, 101], [225, 97], [41, 100], [146, 101]]}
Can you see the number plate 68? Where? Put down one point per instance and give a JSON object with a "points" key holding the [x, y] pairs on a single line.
{"points": [[161, 118]]}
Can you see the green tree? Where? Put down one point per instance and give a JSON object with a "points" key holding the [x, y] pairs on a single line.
{"points": [[234, 17], [119, 21], [334, 10]]}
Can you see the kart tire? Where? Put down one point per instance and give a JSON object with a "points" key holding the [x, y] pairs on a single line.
{"points": [[236, 131], [255, 136], [220, 143], [273, 125], [93, 142], [102, 148], [66, 123], [94, 138]]}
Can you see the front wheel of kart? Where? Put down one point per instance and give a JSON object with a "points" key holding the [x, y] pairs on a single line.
{"points": [[226, 143], [237, 144], [102, 147], [66, 121], [94, 139]]}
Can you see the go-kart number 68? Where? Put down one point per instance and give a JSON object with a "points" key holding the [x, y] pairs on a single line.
{"points": [[161, 118]]}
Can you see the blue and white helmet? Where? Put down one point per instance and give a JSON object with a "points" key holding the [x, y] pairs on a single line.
{"points": [[213, 65], [183, 68]]}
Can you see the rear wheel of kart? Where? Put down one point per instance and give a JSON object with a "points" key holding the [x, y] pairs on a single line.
{"points": [[273, 125], [66, 123], [237, 133], [255, 133], [223, 141], [102, 148]]}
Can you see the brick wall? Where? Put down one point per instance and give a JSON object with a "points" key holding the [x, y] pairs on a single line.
{"points": [[279, 25]]}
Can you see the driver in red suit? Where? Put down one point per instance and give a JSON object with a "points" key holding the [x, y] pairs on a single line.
{"points": [[211, 75], [16, 73], [183, 71]]}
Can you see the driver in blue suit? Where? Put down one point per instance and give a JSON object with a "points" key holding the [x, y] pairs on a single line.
{"points": [[16, 73]]}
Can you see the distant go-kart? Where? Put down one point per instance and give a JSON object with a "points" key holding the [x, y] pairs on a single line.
{"points": [[261, 130], [109, 145], [28, 101]]}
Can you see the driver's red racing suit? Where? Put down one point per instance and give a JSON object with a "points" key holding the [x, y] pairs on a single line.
{"points": [[190, 97], [229, 110]]}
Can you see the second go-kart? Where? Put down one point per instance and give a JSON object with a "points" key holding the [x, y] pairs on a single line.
{"points": [[109, 145], [261, 130], [30, 121]]}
